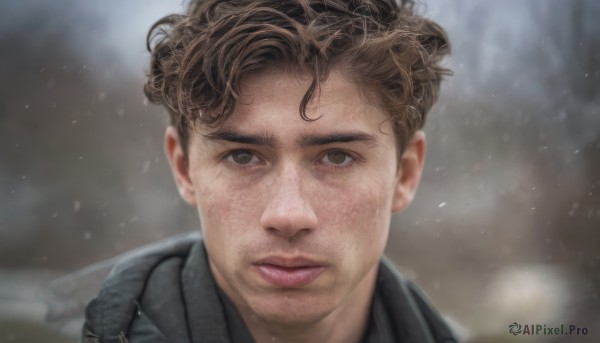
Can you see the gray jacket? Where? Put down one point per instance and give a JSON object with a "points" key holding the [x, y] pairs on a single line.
{"points": [[168, 294]]}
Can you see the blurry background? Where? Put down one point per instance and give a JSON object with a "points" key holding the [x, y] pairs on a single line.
{"points": [[506, 224]]}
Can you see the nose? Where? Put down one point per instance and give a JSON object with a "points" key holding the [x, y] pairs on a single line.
{"points": [[288, 212]]}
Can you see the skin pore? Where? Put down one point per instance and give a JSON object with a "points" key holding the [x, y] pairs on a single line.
{"points": [[272, 189]]}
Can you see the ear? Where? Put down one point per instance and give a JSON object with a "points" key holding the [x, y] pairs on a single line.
{"points": [[179, 165], [409, 172]]}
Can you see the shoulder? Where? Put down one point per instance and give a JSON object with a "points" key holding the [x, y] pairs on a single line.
{"points": [[405, 301], [110, 314]]}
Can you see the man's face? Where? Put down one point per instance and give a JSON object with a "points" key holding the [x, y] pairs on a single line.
{"points": [[295, 214]]}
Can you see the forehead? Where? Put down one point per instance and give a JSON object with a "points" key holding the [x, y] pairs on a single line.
{"points": [[270, 103]]}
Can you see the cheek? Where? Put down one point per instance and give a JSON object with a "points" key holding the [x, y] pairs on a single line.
{"points": [[226, 209], [357, 215]]}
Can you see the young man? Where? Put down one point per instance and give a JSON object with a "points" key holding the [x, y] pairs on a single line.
{"points": [[296, 134]]}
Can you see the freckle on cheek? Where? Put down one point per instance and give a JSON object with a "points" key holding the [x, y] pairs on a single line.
{"points": [[353, 208]]}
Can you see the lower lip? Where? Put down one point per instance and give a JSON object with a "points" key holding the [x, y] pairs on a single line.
{"points": [[289, 277]]}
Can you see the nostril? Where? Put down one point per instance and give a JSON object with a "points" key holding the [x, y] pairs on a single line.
{"points": [[284, 220], [289, 233]]}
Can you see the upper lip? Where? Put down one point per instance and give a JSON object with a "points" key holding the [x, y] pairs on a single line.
{"points": [[290, 262]]}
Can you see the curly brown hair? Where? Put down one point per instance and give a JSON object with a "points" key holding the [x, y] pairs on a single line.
{"points": [[199, 58]]}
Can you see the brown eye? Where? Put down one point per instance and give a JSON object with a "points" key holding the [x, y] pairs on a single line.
{"points": [[241, 156], [337, 158]]}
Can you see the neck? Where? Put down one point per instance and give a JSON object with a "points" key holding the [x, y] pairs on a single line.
{"points": [[345, 324]]}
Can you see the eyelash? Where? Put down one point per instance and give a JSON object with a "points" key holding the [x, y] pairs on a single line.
{"points": [[228, 158], [351, 163]]}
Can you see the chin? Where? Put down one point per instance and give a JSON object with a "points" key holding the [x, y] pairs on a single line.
{"points": [[292, 308]]}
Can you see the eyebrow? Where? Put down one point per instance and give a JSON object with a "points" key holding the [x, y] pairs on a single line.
{"points": [[236, 137], [343, 137], [304, 140]]}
